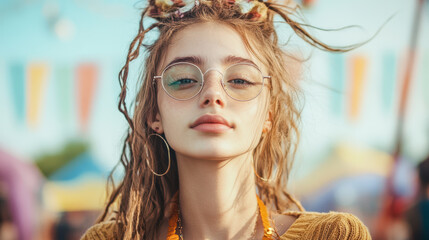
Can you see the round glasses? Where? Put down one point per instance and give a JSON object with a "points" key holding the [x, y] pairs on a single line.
{"points": [[183, 81]]}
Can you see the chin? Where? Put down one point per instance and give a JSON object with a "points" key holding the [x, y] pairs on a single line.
{"points": [[212, 154]]}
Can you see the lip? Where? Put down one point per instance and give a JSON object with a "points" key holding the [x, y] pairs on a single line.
{"points": [[211, 123]]}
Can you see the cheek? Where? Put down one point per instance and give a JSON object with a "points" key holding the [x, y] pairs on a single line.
{"points": [[173, 116], [166, 107], [252, 118]]}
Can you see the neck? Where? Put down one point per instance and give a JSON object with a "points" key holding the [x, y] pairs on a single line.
{"points": [[217, 198]]}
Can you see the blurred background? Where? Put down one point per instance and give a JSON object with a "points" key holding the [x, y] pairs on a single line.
{"points": [[365, 120]]}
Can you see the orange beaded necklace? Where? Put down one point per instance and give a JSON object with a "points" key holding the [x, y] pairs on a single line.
{"points": [[175, 226]]}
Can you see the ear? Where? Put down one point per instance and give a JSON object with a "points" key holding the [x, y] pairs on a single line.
{"points": [[267, 124], [156, 125]]}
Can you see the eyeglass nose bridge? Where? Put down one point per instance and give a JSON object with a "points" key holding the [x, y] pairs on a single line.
{"points": [[209, 70], [213, 69]]}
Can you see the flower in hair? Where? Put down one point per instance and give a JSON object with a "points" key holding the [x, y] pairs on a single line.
{"points": [[163, 9], [168, 8], [254, 9]]}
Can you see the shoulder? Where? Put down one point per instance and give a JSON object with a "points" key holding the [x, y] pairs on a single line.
{"points": [[333, 225], [102, 231]]}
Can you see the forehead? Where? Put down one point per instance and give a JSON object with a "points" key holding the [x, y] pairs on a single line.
{"points": [[213, 43]]}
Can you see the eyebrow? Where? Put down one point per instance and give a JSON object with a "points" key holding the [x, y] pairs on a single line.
{"points": [[190, 59], [234, 60], [229, 60]]}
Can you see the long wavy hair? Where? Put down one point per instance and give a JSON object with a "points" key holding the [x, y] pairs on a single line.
{"points": [[141, 198]]}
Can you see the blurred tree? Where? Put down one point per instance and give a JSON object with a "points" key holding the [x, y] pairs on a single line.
{"points": [[51, 162]]}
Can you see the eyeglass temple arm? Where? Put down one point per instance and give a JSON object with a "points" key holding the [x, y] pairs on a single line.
{"points": [[154, 78], [269, 77]]}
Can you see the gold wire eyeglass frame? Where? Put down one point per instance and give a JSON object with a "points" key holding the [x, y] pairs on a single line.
{"points": [[203, 80]]}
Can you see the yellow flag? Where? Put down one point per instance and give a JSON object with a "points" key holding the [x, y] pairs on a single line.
{"points": [[358, 69], [37, 78]]}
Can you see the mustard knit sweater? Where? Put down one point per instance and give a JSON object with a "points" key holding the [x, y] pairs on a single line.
{"points": [[307, 226]]}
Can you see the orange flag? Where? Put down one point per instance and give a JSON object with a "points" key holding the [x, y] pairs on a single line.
{"points": [[86, 79], [37, 78], [358, 70]]}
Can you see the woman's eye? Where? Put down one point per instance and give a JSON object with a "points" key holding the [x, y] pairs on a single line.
{"points": [[240, 83], [183, 83]]}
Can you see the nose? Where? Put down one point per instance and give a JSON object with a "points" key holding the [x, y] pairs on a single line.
{"points": [[212, 93]]}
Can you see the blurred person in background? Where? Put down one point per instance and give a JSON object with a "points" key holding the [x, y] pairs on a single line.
{"points": [[417, 216], [214, 130], [20, 185]]}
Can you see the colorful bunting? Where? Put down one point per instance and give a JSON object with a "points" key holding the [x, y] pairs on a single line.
{"points": [[337, 82], [388, 80], [37, 78], [17, 89], [86, 77], [358, 69], [87, 74]]}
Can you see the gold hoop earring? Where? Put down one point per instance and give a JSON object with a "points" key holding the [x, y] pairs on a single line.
{"points": [[168, 152]]}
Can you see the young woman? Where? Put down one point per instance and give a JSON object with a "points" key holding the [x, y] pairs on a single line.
{"points": [[212, 137]]}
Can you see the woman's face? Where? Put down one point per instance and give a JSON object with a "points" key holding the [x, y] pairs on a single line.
{"points": [[211, 125]]}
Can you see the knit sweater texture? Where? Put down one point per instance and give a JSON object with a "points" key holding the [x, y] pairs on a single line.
{"points": [[307, 226]]}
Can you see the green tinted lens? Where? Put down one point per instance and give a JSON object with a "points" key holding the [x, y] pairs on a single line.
{"points": [[243, 81], [182, 81]]}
